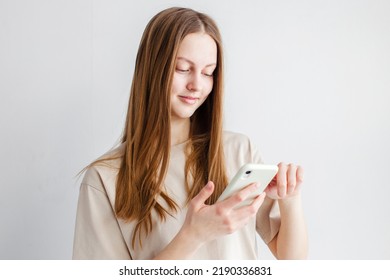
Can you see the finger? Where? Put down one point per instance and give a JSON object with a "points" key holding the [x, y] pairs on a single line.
{"points": [[249, 210], [255, 205], [240, 196], [281, 179], [299, 175], [259, 200], [291, 178], [299, 178], [199, 200]]}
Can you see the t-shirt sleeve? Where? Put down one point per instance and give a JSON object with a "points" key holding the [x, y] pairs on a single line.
{"points": [[97, 232], [268, 216]]}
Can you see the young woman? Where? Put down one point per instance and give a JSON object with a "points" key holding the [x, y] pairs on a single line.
{"points": [[154, 196]]}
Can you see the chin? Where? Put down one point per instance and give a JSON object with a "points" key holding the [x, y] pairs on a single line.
{"points": [[182, 115]]}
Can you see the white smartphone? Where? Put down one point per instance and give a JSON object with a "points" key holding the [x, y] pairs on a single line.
{"points": [[248, 174]]}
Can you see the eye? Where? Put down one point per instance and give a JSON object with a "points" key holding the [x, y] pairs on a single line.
{"points": [[182, 70], [208, 72]]}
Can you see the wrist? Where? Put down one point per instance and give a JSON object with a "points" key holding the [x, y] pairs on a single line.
{"points": [[290, 202], [189, 239], [180, 248]]}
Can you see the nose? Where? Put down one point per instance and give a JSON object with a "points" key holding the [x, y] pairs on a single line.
{"points": [[194, 83]]}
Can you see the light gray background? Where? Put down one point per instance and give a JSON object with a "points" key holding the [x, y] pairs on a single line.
{"points": [[308, 81]]}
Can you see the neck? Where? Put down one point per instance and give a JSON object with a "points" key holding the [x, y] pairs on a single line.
{"points": [[180, 130]]}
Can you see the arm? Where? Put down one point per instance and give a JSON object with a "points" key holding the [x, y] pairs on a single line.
{"points": [[97, 234], [291, 241]]}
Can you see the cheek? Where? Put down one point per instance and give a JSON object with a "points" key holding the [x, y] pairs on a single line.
{"points": [[174, 86]]}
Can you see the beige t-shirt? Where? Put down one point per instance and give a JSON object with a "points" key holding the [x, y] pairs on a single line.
{"points": [[100, 235]]}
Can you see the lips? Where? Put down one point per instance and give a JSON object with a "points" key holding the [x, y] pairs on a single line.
{"points": [[188, 99]]}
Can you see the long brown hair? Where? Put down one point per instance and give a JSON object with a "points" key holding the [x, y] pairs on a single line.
{"points": [[146, 136]]}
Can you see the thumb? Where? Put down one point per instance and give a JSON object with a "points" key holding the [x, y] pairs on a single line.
{"points": [[199, 200]]}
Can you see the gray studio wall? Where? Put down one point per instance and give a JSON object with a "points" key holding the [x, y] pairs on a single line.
{"points": [[308, 81]]}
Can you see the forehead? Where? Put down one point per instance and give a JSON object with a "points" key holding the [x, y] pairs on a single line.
{"points": [[200, 48]]}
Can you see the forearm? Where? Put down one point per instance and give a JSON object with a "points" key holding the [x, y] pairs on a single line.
{"points": [[292, 237]]}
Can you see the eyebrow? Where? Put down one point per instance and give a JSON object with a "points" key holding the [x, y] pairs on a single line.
{"points": [[191, 62]]}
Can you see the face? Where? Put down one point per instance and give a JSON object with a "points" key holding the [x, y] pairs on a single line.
{"points": [[193, 79]]}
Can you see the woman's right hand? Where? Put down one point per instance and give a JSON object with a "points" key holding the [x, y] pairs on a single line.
{"points": [[207, 222]]}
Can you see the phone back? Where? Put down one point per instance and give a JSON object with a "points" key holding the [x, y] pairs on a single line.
{"points": [[248, 174]]}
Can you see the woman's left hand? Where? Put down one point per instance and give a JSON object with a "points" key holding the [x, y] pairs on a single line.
{"points": [[286, 182]]}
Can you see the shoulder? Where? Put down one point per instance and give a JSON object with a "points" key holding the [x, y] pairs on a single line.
{"points": [[237, 142], [234, 138], [239, 147], [101, 174]]}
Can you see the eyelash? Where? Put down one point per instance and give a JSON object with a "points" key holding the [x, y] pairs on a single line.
{"points": [[187, 70], [182, 70]]}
